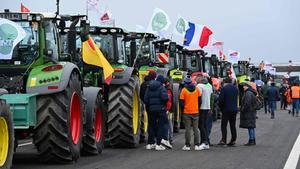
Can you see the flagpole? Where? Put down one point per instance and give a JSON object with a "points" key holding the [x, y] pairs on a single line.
{"points": [[87, 11], [137, 55]]}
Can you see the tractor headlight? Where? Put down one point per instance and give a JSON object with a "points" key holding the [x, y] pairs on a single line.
{"points": [[38, 18], [29, 18]]}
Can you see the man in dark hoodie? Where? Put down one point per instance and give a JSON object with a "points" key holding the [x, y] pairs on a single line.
{"points": [[190, 102], [156, 97]]}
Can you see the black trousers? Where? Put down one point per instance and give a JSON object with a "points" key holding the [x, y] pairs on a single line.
{"points": [[203, 126], [231, 118]]}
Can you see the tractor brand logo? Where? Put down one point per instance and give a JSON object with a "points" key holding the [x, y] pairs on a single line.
{"points": [[159, 21], [180, 26], [10, 35]]}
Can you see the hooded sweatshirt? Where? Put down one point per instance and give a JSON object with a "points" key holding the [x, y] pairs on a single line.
{"points": [[190, 99], [206, 91], [156, 96]]}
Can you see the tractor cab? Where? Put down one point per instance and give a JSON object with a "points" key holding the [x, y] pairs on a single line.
{"points": [[209, 65], [192, 60], [224, 69], [241, 70]]}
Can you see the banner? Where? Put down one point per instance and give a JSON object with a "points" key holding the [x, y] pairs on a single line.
{"points": [[217, 48], [24, 9], [159, 22], [233, 56], [197, 36], [179, 30], [10, 35]]}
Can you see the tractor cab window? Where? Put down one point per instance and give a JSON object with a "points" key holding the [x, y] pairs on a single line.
{"points": [[105, 43], [208, 67], [27, 49], [51, 39], [122, 58], [192, 62]]}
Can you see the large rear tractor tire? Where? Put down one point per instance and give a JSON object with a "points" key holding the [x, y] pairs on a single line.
{"points": [[58, 133], [176, 107], [6, 136], [124, 115], [93, 141], [144, 126]]}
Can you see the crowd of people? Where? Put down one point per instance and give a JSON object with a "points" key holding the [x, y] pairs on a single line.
{"points": [[197, 101]]}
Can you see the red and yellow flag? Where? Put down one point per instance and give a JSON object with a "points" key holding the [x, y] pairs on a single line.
{"points": [[92, 55]]}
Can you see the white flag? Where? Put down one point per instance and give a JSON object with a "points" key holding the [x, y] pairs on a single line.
{"points": [[179, 30], [93, 5], [10, 35], [233, 56], [159, 22]]}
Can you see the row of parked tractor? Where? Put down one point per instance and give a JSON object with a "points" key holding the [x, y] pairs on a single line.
{"points": [[50, 95]]}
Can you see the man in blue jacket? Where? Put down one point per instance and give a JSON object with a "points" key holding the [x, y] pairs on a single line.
{"points": [[228, 100], [156, 97], [273, 96]]}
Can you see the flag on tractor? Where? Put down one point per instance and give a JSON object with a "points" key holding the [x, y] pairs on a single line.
{"points": [[93, 5], [24, 9], [92, 55], [233, 56], [159, 22], [217, 48], [197, 36], [163, 57], [11, 34], [179, 30]]}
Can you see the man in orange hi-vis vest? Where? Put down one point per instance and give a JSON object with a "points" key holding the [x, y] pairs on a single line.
{"points": [[295, 93], [92, 55]]}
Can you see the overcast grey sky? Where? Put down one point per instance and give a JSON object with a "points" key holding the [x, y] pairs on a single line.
{"points": [[261, 29]]}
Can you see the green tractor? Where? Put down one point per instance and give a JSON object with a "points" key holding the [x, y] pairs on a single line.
{"points": [[124, 108], [241, 70], [44, 90]]}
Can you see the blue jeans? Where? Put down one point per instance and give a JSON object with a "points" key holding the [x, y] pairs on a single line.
{"points": [[295, 106], [163, 127], [272, 105], [251, 132], [209, 124], [170, 127]]}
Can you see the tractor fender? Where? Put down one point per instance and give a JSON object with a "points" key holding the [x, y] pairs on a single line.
{"points": [[124, 76], [3, 91], [163, 72], [90, 94], [59, 86]]}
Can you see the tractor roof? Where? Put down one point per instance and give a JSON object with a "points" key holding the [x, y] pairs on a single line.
{"points": [[27, 16], [107, 30], [141, 35]]}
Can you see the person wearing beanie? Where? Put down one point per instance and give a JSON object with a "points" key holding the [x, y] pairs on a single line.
{"points": [[190, 102], [273, 97], [155, 98], [248, 112], [152, 75]]}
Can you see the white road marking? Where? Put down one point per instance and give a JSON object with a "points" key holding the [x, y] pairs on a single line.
{"points": [[292, 161], [24, 144]]}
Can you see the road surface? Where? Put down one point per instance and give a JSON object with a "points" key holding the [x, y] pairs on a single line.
{"points": [[275, 141]]}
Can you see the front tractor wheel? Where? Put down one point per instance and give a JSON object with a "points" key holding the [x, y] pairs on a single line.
{"points": [[58, 133], [124, 115], [6, 136], [93, 141]]}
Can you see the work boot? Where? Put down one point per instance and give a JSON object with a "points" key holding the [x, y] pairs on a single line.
{"points": [[250, 143]]}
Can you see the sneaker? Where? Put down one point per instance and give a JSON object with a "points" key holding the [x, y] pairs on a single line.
{"points": [[197, 148], [160, 148], [166, 144], [204, 146], [186, 148], [150, 146]]}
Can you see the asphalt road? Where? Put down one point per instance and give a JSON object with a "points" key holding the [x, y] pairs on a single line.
{"points": [[275, 139]]}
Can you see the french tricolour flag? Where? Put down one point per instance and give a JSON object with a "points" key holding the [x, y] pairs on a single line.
{"points": [[197, 36]]}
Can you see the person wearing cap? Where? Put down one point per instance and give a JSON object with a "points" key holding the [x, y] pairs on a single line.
{"points": [[206, 92], [228, 101], [273, 96], [156, 97], [190, 102], [248, 112]]}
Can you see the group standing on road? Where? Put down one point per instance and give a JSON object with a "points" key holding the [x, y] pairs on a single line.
{"points": [[197, 101]]}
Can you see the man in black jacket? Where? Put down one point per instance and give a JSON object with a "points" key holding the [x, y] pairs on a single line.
{"points": [[228, 100]]}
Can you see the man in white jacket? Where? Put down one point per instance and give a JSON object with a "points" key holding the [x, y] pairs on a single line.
{"points": [[206, 90]]}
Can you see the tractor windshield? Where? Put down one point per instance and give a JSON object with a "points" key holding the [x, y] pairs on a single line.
{"points": [[27, 49], [240, 69], [105, 43], [207, 66]]}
